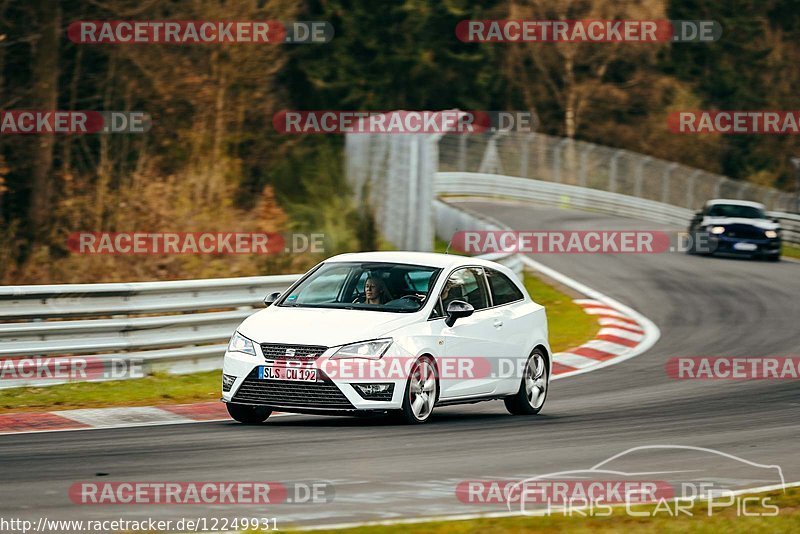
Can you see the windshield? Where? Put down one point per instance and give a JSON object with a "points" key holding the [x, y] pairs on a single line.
{"points": [[388, 287], [732, 210]]}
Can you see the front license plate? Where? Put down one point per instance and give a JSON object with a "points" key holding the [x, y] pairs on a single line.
{"points": [[296, 374], [745, 246]]}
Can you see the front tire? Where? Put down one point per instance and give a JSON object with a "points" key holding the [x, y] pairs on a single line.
{"points": [[249, 415], [533, 386], [422, 392]]}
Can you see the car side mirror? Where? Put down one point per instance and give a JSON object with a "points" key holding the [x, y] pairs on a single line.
{"points": [[272, 297], [456, 310]]}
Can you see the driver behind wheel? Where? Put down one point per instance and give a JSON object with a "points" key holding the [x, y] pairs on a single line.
{"points": [[375, 292]]}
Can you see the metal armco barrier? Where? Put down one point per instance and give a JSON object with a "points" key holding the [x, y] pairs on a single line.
{"points": [[400, 175], [174, 327], [571, 196], [178, 327]]}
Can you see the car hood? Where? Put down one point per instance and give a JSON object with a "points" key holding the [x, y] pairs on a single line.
{"points": [[320, 326], [764, 224]]}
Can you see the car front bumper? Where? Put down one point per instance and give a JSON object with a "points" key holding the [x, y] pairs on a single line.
{"points": [[330, 394], [744, 246]]}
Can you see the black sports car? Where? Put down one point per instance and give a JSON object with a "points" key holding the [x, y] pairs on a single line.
{"points": [[735, 227]]}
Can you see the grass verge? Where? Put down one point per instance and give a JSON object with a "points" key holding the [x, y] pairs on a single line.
{"points": [[790, 251], [569, 327], [722, 520], [148, 391]]}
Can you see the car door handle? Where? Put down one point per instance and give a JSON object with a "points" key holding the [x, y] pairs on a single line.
{"points": [[498, 323]]}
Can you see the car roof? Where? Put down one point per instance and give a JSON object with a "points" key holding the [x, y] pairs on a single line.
{"points": [[735, 203], [428, 259]]}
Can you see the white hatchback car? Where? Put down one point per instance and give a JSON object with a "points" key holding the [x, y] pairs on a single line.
{"points": [[396, 332]]}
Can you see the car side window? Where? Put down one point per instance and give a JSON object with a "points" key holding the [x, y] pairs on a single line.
{"points": [[503, 290], [464, 284]]}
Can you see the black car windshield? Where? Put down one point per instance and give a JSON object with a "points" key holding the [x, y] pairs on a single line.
{"points": [[735, 211], [387, 287]]}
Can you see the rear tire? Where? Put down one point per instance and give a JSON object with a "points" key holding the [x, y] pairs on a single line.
{"points": [[529, 400], [249, 415]]}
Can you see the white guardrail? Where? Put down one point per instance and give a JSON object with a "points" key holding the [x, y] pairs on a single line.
{"points": [[571, 196], [175, 327]]}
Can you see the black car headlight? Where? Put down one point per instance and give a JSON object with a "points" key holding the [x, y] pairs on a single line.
{"points": [[772, 234]]}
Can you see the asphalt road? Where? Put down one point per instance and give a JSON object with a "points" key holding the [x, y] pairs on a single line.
{"points": [[703, 306]]}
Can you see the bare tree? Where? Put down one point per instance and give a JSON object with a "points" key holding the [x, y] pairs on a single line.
{"points": [[44, 95]]}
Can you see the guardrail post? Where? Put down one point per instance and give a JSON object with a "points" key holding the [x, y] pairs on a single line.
{"points": [[665, 178], [718, 187], [742, 189], [525, 155], [462, 153], [637, 187], [612, 171], [584, 164], [557, 159], [690, 190], [768, 198]]}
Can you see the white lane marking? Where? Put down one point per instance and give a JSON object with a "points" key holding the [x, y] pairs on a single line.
{"points": [[588, 301], [490, 515], [608, 312], [183, 421], [573, 360], [121, 417], [608, 321], [618, 332], [606, 346]]}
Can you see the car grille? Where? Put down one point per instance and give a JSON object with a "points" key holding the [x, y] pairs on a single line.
{"points": [[275, 351], [744, 231], [323, 394]]}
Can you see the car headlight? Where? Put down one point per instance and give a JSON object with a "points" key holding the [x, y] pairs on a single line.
{"points": [[239, 343], [717, 230], [772, 234], [369, 350]]}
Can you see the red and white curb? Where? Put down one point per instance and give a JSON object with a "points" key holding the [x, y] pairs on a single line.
{"points": [[618, 335], [123, 417], [624, 333]]}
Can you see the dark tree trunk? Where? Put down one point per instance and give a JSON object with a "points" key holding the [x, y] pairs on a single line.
{"points": [[44, 96]]}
